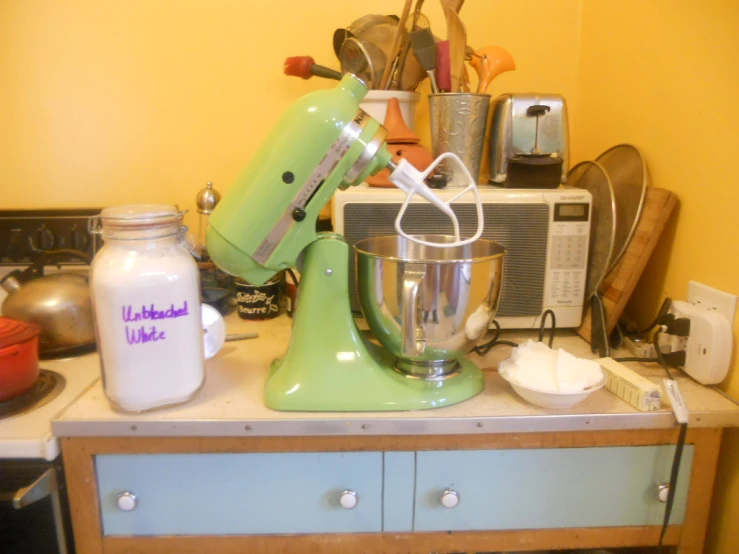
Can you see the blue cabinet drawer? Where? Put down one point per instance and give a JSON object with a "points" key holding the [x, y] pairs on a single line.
{"points": [[547, 488], [204, 494]]}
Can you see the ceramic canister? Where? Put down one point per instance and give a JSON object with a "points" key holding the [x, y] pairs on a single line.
{"points": [[256, 302]]}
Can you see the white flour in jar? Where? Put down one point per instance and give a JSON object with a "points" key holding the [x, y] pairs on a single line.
{"points": [[146, 299]]}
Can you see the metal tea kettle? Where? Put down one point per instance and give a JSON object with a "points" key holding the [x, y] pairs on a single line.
{"points": [[58, 302]]}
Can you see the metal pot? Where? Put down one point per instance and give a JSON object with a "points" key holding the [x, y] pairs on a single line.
{"points": [[59, 303], [428, 305]]}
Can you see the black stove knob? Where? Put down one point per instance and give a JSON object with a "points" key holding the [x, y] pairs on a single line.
{"points": [[13, 247], [78, 238], [42, 239]]}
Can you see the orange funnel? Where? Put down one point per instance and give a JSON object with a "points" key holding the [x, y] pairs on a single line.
{"points": [[489, 62]]}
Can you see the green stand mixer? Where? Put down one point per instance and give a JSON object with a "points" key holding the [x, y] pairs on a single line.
{"points": [[427, 299]]}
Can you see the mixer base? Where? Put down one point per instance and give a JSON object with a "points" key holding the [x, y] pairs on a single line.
{"points": [[331, 367], [370, 384], [430, 371]]}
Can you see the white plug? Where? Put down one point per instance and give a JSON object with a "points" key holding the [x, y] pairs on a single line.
{"points": [[708, 346]]}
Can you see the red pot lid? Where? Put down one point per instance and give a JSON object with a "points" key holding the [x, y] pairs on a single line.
{"points": [[13, 331]]}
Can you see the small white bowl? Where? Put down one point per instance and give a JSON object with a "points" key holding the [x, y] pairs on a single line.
{"points": [[555, 400]]}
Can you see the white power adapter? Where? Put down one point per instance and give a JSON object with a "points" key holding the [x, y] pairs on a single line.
{"points": [[708, 348]]}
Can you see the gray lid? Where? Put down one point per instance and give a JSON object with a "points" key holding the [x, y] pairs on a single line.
{"points": [[207, 199], [136, 217]]}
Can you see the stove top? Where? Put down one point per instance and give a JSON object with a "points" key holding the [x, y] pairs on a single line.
{"points": [[48, 386], [26, 433], [25, 425]]}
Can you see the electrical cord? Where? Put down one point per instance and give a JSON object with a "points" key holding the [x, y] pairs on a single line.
{"points": [[673, 359], [658, 320], [661, 357], [543, 324], [617, 336], [677, 458], [486, 347], [637, 359], [673, 483], [600, 343], [496, 340]]}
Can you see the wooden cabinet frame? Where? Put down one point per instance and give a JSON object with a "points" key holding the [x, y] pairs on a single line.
{"points": [[79, 462]]}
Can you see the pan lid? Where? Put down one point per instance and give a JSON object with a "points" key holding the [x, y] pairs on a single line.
{"points": [[13, 331]]}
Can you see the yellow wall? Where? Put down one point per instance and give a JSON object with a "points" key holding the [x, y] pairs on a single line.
{"points": [[664, 75], [145, 101]]}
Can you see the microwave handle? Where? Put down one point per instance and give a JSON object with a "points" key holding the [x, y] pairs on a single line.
{"points": [[45, 485]]}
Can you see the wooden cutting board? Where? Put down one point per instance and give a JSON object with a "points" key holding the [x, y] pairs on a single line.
{"points": [[620, 283]]}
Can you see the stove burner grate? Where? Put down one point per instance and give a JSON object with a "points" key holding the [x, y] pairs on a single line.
{"points": [[48, 386]]}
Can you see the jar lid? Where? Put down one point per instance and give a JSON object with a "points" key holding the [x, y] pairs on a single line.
{"points": [[139, 216], [139, 212], [13, 331]]}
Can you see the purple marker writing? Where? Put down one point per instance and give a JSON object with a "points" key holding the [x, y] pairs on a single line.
{"points": [[141, 335], [150, 312]]}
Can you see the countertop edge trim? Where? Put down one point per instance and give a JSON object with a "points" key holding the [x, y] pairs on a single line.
{"points": [[382, 426]]}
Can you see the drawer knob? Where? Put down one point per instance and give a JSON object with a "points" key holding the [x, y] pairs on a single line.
{"points": [[449, 498], [127, 501], [348, 499], [663, 491]]}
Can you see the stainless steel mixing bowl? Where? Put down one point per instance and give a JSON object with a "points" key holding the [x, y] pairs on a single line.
{"points": [[428, 305]]}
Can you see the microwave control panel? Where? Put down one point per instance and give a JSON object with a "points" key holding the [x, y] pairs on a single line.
{"points": [[568, 254], [26, 234]]}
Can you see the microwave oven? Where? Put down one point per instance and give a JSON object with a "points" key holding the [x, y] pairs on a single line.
{"points": [[545, 232]]}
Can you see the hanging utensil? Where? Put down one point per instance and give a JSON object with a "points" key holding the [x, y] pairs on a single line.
{"points": [[457, 36], [417, 20], [489, 62], [397, 43], [340, 35], [371, 28], [464, 83], [424, 48], [443, 76], [364, 60]]}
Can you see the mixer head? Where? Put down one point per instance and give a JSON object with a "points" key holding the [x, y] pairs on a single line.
{"points": [[323, 142]]}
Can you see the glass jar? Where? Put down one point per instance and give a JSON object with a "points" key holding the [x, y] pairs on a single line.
{"points": [[146, 299]]}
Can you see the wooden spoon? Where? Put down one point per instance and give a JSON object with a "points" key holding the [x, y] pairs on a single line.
{"points": [[457, 36], [395, 49], [454, 5]]}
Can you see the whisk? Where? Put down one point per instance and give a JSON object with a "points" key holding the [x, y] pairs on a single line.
{"points": [[416, 22]]}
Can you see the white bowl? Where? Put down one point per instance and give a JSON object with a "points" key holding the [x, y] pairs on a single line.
{"points": [[556, 400]]}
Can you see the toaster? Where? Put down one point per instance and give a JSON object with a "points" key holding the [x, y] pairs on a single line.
{"points": [[528, 141]]}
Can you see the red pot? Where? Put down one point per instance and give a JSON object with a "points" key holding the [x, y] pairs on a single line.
{"points": [[18, 357]]}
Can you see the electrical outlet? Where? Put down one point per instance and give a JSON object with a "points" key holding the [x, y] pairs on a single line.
{"points": [[709, 298], [708, 346]]}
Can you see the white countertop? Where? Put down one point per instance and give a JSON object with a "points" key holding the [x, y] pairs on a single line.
{"points": [[231, 402]]}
